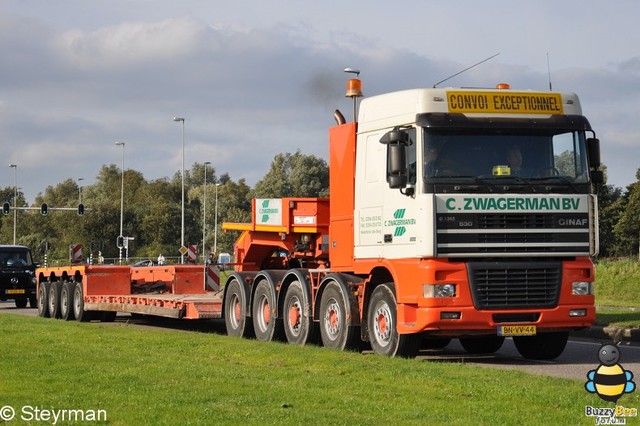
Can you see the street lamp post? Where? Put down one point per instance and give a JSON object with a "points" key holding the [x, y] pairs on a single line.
{"points": [[121, 200], [215, 224], [15, 200], [180, 119], [204, 213], [80, 190]]}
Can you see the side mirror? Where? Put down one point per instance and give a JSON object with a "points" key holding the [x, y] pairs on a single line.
{"points": [[396, 141], [593, 151]]}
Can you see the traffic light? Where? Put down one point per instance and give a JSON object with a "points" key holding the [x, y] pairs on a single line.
{"points": [[6, 207], [44, 209], [120, 241], [80, 209]]}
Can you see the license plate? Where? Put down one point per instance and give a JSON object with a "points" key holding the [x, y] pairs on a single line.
{"points": [[15, 291], [516, 330]]}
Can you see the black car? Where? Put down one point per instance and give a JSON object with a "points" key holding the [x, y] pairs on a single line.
{"points": [[17, 275]]}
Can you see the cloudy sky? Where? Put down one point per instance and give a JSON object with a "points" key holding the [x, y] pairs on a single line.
{"points": [[258, 78]]}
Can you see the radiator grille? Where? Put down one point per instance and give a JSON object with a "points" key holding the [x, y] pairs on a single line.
{"points": [[515, 284]]}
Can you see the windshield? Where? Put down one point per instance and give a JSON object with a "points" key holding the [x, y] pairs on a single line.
{"points": [[15, 258], [498, 156]]}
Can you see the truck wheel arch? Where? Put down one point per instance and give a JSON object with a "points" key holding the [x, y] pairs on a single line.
{"points": [[377, 276], [353, 309]]}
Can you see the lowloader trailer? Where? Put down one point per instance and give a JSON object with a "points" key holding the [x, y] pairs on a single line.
{"points": [[88, 292]]}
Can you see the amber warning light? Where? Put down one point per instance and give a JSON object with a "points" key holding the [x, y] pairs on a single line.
{"points": [[354, 89]]}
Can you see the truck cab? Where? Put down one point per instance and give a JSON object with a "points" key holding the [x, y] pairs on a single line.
{"points": [[17, 275], [478, 205]]}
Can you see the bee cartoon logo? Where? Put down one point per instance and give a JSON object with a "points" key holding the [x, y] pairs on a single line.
{"points": [[609, 381]]}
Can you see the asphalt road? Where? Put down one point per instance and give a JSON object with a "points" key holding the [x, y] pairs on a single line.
{"points": [[579, 357]]}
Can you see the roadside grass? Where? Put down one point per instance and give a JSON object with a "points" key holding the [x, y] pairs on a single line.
{"points": [[155, 376], [618, 292]]}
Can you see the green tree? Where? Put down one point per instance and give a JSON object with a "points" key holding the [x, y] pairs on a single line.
{"points": [[610, 206], [627, 228], [294, 175]]}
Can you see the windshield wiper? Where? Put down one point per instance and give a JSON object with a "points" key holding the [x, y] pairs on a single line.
{"points": [[562, 179]]}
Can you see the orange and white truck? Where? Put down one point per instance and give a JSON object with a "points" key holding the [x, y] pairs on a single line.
{"points": [[453, 213]]}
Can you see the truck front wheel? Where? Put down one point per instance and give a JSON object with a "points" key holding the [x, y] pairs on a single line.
{"points": [[542, 346], [383, 330]]}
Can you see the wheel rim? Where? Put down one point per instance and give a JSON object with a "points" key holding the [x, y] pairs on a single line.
{"points": [[41, 306], [332, 317], [383, 324], [264, 313], [64, 303], [52, 300], [77, 303], [236, 311], [295, 314]]}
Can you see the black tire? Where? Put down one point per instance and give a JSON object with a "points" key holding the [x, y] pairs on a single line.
{"points": [[21, 303], [264, 312], [336, 329], [299, 329], [78, 305], [383, 325], [54, 299], [482, 344], [235, 311], [43, 299], [66, 300], [542, 346], [33, 301]]}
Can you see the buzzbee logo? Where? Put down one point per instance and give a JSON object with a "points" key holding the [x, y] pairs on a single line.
{"points": [[610, 381]]}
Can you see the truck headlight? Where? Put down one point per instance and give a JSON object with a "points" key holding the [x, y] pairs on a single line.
{"points": [[439, 290], [582, 288]]}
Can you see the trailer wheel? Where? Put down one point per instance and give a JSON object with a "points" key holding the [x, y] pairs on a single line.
{"points": [[482, 344], [265, 322], [235, 311], [54, 299], [336, 330], [298, 327], [78, 305], [66, 300], [43, 299], [383, 330], [542, 346]]}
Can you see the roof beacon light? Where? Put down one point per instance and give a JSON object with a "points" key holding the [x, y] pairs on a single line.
{"points": [[503, 86], [354, 88]]}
